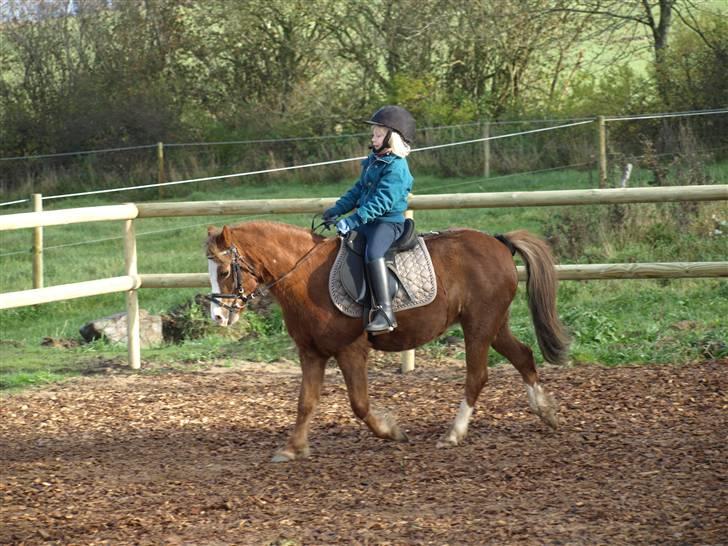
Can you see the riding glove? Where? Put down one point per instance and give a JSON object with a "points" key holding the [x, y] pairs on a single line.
{"points": [[330, 215], [345, 225]]}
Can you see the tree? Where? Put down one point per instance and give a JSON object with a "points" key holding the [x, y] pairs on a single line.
{"points": [[696, 65], [657, 17], [507, 55]]}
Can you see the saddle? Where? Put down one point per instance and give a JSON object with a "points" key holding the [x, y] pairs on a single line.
{"points": [[411, 274]]}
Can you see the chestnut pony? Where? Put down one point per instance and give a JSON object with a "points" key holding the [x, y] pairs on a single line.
{"points": [[476, 282]]}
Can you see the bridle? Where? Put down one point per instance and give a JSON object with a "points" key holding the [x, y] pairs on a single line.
{"points": [[238, 265], [238, 295]]}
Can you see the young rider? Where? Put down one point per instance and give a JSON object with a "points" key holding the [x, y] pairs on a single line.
{"points": [[380, 199]]}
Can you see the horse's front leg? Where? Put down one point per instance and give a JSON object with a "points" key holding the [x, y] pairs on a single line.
{"points": [[313, 367], [353, 363]]}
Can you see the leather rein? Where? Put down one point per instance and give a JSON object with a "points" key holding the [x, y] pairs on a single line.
{"points": [[239, 264]]}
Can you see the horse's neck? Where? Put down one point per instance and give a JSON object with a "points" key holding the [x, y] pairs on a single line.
{"points": [[275, 249]]}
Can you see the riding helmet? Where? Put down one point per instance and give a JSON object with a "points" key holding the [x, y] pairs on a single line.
{"points": [[397, 119]]}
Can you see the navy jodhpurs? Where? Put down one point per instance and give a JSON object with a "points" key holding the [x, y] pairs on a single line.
{"points": [[379, 237]]}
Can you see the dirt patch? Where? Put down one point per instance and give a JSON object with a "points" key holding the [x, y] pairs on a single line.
{"points": [[182, 458], [60, 343]]}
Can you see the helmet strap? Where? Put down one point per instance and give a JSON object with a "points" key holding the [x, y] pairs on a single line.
{"points": [[385, 143]]}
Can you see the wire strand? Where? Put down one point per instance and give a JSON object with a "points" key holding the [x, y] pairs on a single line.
{"points": [[669, 115], [497, 137], [304, 166]]}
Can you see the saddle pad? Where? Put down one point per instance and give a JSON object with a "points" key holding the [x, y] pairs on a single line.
{"points": [[414, 269]]}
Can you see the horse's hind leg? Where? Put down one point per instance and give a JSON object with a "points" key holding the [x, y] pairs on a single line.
{"points": [[353, 363], [313, 367], [521, 356]]}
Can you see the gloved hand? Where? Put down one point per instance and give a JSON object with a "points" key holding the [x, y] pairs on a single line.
{"points": [[329, 216], [345, 225]]}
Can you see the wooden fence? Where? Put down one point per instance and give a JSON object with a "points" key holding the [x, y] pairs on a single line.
{"points": [[132, 280]]}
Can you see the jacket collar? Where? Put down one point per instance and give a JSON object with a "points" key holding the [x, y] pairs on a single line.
{"points": [[386, 158]]}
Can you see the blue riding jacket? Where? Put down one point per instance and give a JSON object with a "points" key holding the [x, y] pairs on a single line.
{"points": [[381, 191]]}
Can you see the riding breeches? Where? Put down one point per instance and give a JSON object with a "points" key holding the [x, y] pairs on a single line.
{"points": [[379, 237]]}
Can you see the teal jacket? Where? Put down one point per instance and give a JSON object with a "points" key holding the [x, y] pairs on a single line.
{"points": [[381, 191]]}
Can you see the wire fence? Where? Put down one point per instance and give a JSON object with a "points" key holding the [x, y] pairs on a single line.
{"points": [[467, 149], [286, 139], [360, 134], [431, 188]]}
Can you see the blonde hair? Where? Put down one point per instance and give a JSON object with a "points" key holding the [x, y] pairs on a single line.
{"points": [[397, 145]]}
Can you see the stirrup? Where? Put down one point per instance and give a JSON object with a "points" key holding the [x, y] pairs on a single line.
{"points": [[380, 328]]}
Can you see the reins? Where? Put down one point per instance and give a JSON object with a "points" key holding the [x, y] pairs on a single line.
{"points": [[239, 295]]}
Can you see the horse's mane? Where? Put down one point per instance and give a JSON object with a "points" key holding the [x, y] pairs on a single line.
{"points": [[215, 246]]}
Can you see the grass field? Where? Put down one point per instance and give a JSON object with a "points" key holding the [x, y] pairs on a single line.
{"points": [[613, 322]]}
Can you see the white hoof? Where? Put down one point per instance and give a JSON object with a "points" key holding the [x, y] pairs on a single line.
{"points": [[287, 455], [449, 440], [281, 457]]}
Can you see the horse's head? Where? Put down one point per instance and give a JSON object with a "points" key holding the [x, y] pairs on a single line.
{"points": [[230, 279]]}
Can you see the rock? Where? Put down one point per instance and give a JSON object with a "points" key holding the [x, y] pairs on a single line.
{"points": [[113, 328]]}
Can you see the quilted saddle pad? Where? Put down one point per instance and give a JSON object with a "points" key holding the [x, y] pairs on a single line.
{"points": [[417, 287]]}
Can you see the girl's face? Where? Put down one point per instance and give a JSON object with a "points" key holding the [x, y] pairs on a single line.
{"points": [[379, 133]]}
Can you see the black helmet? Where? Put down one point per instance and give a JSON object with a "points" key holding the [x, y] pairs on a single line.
{"points": [[397, 119]]}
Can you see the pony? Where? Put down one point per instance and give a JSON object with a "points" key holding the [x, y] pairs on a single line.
{"points": [[476, 283]]}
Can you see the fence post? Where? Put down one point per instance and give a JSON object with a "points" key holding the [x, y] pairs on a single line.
{"points": [[486, 150], [37, 244], [408, 357], [160, 168], [602, 149], [132, 298]]}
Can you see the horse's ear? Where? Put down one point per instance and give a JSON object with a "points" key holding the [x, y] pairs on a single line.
{"points": [[211, 230], [227, 236]]}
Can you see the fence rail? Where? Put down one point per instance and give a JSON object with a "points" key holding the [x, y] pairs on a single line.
{"points": [[585, 272], [71, 291], [127, 211], [132, 281], [447, 201]]}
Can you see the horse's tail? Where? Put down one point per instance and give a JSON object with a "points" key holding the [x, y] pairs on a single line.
{"points": [[541, 287]]}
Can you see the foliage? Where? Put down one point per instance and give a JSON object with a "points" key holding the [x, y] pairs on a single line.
{"points": [[696, 64], [617, 90], [96, 74]]}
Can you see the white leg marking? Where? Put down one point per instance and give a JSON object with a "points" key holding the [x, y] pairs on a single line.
{"points": [[216, 312], [460, 428], [535, 397], [543, 405]]}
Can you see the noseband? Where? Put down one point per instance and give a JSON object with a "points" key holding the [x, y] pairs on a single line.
{"points": [[238, 295]]}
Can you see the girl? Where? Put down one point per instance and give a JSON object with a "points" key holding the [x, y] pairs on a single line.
{"points": [[380, 197]]}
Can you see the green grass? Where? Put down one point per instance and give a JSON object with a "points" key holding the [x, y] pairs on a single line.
{"points": [[613, 322]]}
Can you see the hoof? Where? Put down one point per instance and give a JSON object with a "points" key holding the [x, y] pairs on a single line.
{"points": [[400, 436], [551, 418], [283, 457], [288, 455], [447, 442]]}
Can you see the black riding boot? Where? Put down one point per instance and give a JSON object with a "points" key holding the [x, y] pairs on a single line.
{"points": [[382, 317]]}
